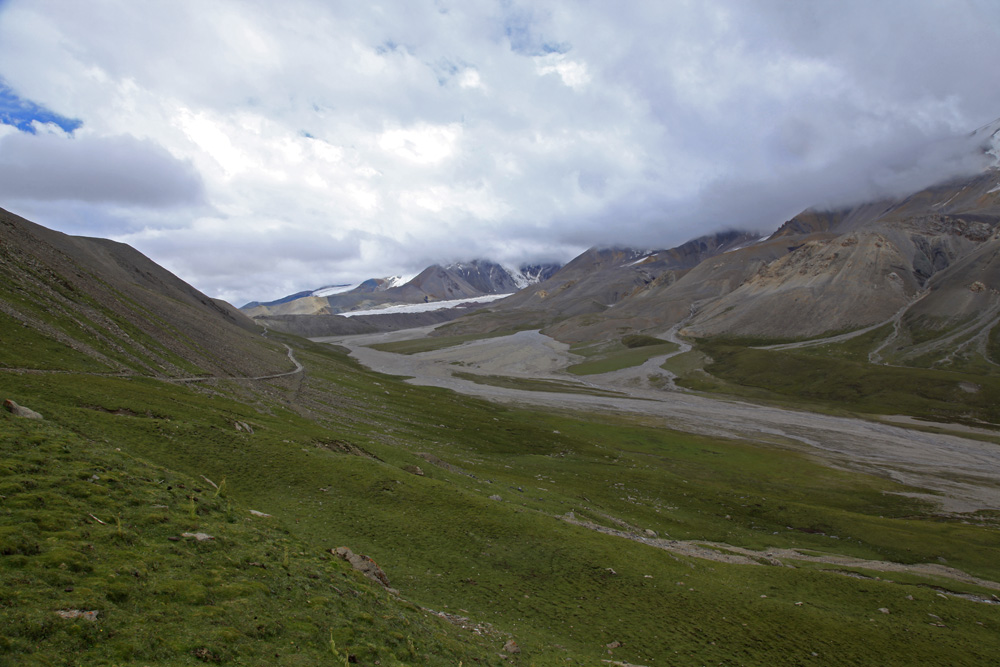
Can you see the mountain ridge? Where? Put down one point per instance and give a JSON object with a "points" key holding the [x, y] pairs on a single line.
{"points": [[118, 311], [455, 281]]}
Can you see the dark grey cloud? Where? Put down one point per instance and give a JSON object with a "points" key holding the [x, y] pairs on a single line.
{"points": [[119, 170]]}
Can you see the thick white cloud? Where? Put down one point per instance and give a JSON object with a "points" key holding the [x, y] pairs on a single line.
{"points": [[308, 142]]}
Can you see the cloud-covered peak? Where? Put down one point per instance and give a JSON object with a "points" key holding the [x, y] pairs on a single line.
{"points": [[259, 150]]}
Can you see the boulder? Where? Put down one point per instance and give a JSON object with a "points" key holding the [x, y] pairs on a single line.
{"points": [[20, 410], [363, 564], [90, 615]]}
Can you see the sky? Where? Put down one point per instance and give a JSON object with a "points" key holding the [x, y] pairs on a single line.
{"points": [[257, 149]]}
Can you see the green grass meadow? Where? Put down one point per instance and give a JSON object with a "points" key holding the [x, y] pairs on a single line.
{"points": [[91, 497], [629, 352]]}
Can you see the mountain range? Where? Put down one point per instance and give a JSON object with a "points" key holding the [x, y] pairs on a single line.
{"points": [[179, 485], [457, 281], [926, 261]]}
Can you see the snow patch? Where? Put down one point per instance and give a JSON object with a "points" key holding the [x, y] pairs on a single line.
{"points": [[424, 307], [330, 290], [396, 281], [991, 145], [640, 260], [745, 245], [520, 279]]}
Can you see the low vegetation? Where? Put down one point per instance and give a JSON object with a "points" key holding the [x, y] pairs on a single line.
{"points": [[839, 375], [463, 504], [629, 352], [417, 345]]}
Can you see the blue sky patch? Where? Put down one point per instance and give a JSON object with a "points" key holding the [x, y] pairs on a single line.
{"points": [[20, 112]]}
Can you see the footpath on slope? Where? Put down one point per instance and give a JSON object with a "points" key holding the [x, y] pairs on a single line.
{"points": [[782, 557]]}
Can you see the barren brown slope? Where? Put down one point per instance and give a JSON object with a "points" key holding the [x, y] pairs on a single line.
{"points": [[670, 299], [863, 267], [120, 311], [579, 300]]}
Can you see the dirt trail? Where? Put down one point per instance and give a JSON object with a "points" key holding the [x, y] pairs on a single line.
{"points": [[874, 357], [959, 474], [291, 356], [199, 378], [780, 557]]}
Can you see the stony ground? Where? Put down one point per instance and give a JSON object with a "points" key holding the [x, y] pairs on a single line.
{"points": [[959, 473]]}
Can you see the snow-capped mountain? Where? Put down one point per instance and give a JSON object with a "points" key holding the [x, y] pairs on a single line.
{"points": [[492, 278], [463, 280], [330, 290]]}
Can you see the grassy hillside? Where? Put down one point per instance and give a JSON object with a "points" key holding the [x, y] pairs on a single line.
{"points": [[336, 456], [839, 375], [87, 528]]}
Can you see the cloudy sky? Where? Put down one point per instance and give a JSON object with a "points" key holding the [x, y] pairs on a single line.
{"points": [[258, 148]]}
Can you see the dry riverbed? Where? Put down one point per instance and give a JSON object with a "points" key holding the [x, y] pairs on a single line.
{"points": [[960, 474]]}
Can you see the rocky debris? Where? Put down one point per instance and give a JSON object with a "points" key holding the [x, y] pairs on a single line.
{"points": [[414, 470], [243, 427], [613, 645], [511, 647], [649, 533], [463, 622], [495, 497], [205, 655], [260, 514], [20, 410], [433, 460], [343, 447], [201, 537], [884, 610], [364, 565], [76, 613]]}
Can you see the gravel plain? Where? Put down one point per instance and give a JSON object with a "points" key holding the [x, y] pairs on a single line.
{"points": [[958, 473]]}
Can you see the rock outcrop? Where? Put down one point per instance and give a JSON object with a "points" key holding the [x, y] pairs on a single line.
{"points": [[20, 410], [364, 565]]}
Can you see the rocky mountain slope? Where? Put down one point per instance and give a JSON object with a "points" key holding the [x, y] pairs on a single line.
{"points": [[929, 258], [585, 299], [115, 311], [862, 265]]}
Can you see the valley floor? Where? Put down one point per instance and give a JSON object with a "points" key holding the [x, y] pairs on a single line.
{"points": [[958, 473]]}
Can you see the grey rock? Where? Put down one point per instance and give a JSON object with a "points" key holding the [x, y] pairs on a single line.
{"points": [[20, 410], [363, 564]]}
